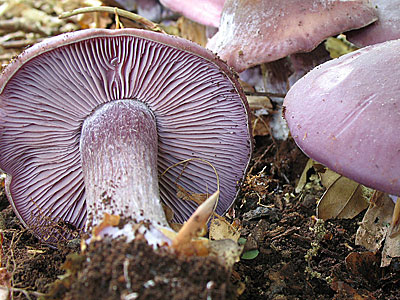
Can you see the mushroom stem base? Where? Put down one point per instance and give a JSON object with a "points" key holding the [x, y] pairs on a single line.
{"points": [[119, 146]]}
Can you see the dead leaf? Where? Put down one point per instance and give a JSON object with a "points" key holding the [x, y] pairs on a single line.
{"points": [[192, 31], [327, 176], [391, 248], [345, 291], [339, 46], [343, 199], [221, 229], [183, 194], [227, 250], [375, 224], [303, 178], [257, 103], [94, 20], [394, 229], [260, 125], [195, 225], [169, 213], [364, 265], [194, 247]]}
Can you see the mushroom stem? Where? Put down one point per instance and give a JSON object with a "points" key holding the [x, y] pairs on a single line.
{"points": [[119, 148]]}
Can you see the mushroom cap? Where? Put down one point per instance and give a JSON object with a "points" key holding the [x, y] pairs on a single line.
{"points": [[206, 12], [47, 92], [260, 31], [386, 28], [345, 114]]}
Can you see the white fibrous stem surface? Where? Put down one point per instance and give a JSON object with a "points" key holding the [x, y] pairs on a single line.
{"points": [[119, 145]]}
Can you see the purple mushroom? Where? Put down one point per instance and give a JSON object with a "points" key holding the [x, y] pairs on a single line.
{"points": [[386, 28], [345, 113], [260, 31], [90, 119]]}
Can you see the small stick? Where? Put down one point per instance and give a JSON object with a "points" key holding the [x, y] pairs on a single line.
{"points": [[118, 23], [19, 43], [17, 24], [267, 94], [23, 291], [113, 10]]}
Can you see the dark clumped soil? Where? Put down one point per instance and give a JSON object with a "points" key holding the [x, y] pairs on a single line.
{"points": [[119, 270], [31, 265], [299, 256]]}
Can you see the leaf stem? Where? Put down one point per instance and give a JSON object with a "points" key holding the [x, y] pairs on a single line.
{"points": [[113, 10]]}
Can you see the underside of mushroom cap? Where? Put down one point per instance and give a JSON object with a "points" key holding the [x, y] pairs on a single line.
{"points": [[49, 90], [260, 31], [386, 28], [345, 114]]}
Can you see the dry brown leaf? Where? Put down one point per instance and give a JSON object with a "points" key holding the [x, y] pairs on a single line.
{"points": [[260, 102], [192, 31], [246, 86], [363, 264], [227, 250], [303, 178], [221, 229], [327, 176], [260, 125], [345, 291], [391, 248], [194, 247], [195, 225], [343, 199], [183, 194], [94, 20], [375, 224], [394, 229], [169, 213]]}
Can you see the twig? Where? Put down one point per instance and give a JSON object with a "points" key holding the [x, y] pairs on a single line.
{"points": [[23, 291], [267, 94], [12, 36], [19, 43], [260, 158], [126, 275], [286, 233], [17, 24], [8, 56], [112, 10]]}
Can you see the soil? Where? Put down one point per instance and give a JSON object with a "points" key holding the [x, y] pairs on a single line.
{"points": [[299, 257]]}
